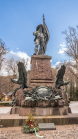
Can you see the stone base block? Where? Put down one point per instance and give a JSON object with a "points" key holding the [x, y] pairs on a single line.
{"points": [[15, 110], [40, 111]]}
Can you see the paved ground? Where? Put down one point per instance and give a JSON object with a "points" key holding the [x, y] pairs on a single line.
{"points": [[61, 132], [4, 110], [74, 106]]}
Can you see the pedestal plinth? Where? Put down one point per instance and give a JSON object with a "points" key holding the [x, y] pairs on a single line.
{"points": [[41, 72]]}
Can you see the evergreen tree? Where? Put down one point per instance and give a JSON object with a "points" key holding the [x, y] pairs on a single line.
{"points": [[76, 89], [71, 91]]}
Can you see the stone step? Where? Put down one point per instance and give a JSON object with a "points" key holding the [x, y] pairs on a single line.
{"points": [[14, 120], [1, 124]]}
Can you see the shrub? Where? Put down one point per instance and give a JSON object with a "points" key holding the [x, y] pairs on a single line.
{"points": [[68, 101], [71, 99]]}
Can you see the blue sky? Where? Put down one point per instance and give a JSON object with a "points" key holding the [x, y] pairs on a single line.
{"points": [[19, 19]]}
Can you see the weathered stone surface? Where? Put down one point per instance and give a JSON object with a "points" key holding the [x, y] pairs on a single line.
{"points": [[65, 98], [61, 103], [43, 103], [1, 123], [24, 111], [64, 94], [23, 103], [53, 103], [15, 110], [41, 69], [29, 103], [19, 97], [46, 126], [51, 84], [40, 111]]}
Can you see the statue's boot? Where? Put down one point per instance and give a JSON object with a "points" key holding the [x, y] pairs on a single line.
{"points": [[36, 50]]}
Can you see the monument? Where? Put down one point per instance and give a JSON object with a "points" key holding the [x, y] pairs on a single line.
{"points": [[41, 96]]}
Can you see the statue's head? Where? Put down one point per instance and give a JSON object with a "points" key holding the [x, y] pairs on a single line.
{"points": [[40, 28]]}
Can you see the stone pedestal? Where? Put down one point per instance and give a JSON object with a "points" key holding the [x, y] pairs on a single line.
{"points": [[40, 111], [41, 72]]}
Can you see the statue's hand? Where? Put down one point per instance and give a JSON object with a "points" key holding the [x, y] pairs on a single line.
{"points": [[34, 33]]}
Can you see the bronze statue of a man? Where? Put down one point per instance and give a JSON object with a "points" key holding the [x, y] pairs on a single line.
{"points": [[41, 38]]}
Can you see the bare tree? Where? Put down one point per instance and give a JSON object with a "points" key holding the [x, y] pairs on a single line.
{"points": [[72, 48], [25, 62], [72, 42], [3, 51], [11, 67]]}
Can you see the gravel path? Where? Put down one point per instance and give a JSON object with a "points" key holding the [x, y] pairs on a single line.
{"points": [[61, 132]]}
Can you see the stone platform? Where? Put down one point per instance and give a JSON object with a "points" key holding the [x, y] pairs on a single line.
{"points": [[14, 120], [40, 111]]}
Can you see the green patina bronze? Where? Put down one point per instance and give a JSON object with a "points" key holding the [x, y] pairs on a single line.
{"points": [[22, 80], [41, 38], [59, 78], [42, 93]]}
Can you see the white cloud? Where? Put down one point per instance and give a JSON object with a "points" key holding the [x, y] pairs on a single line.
{"points": [[51, 60], [17, 48], [63, 45], [20, 55], [63, 48], [53, 67], [58, 64], [61, 51], [12, 52]]}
